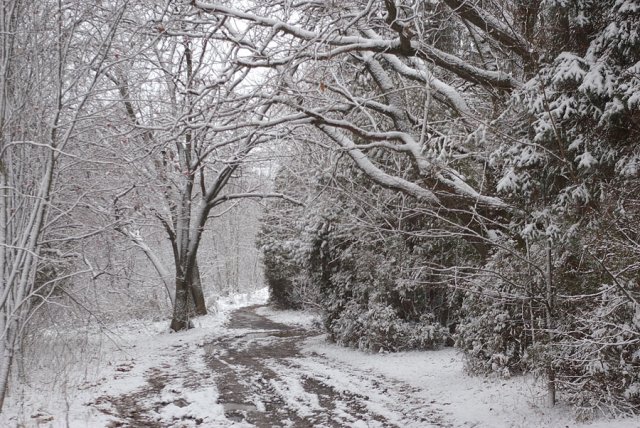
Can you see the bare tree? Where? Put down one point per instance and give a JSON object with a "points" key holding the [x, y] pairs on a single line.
{"points": [[191, 105], [42, 103], [405, 99]]}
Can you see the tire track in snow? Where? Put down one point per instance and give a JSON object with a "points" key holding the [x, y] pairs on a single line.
{"points": [[264, 380]]}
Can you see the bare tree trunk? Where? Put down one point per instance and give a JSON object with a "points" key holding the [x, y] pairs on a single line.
{"points": [[6, 350], [155, 261], [189, 300], [551, 374], [181, 313], [197, 293]]}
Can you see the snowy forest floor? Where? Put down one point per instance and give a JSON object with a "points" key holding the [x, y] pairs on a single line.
{"points": [[248, 365]]}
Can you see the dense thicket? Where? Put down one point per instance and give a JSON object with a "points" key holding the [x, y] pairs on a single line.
{"points": [[496, 165], [366, 255]]}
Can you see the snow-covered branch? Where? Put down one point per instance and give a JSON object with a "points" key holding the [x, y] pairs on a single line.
{"points": [[251, 195]]}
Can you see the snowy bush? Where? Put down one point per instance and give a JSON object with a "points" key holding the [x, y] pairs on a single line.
{"points": [[598, 351], [279, 273], [286, 240], [384, 298], [381, 329], [500, 318], [598, 340]]}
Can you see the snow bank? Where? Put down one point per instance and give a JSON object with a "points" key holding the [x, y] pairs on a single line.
{"points": [[298, 318], [257, 297]]}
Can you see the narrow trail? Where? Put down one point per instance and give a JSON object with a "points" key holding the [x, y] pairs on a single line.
{"points": [[264, 380]]}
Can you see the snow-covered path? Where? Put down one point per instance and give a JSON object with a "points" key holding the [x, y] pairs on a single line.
{"points": [[262, 379], [265, 380]]}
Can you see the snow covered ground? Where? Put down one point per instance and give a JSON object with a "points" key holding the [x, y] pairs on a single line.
{"points": [[145, 371], [120, 364]]}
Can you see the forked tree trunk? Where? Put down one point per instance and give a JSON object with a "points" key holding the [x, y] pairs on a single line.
{"points": [[189, 300]]}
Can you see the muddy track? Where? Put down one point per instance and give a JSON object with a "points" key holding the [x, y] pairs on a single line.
{"points": [[162, 387], [264, 380]]}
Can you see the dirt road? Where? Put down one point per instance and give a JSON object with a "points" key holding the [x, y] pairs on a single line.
{"points": [[264, 380]]}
